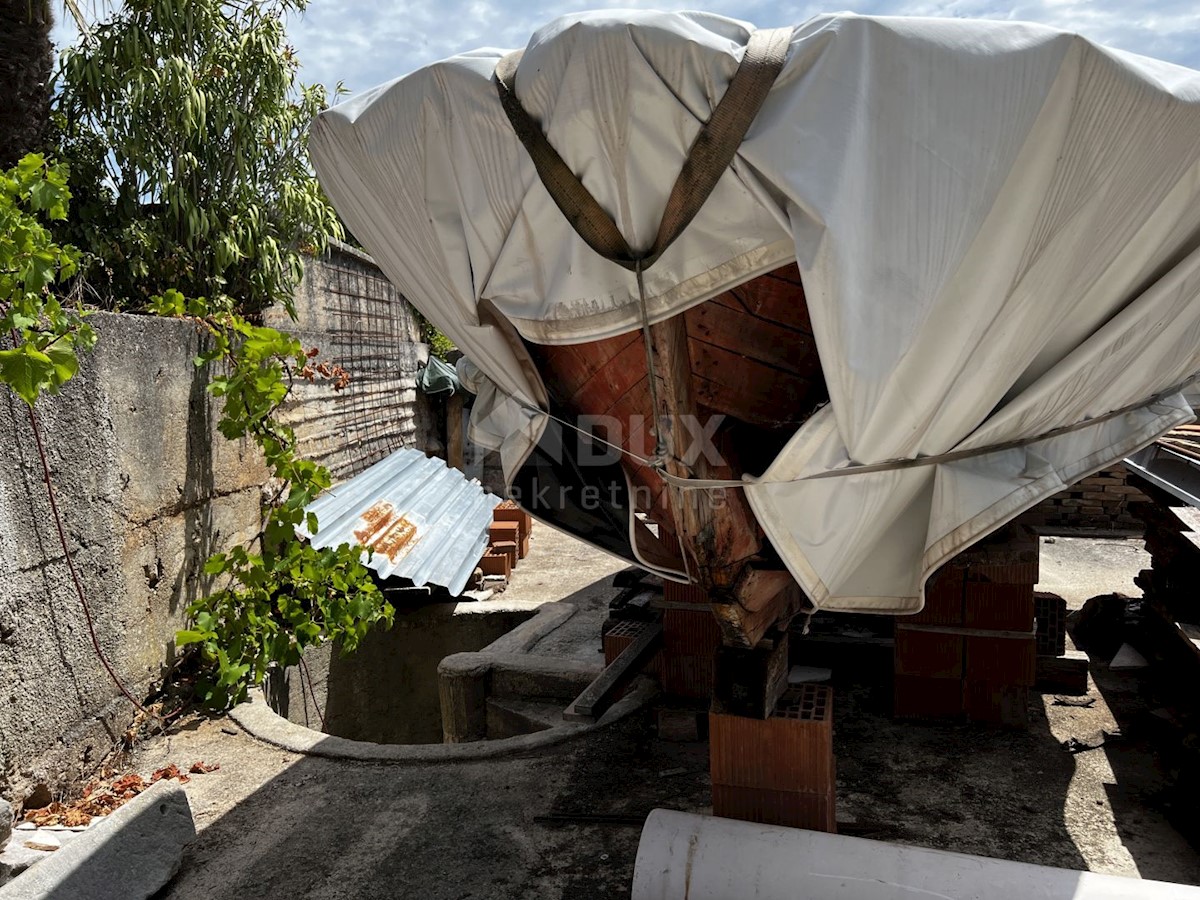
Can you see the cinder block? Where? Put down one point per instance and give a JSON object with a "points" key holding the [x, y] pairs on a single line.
{"points": [[931, 654], [993, 605], [1050, 612], [918, 697], [1002, 660], [791, 750]]}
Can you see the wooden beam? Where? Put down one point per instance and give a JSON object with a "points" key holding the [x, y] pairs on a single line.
{"points": [[598, 696], [718, 531]]}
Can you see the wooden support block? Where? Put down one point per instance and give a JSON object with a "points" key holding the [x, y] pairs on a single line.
{"points": [[1062, 675], [463, 683], [749, 682], [598, 696]]}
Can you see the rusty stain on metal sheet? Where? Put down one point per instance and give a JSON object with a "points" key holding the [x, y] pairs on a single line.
{"points": [[379, 516], [395, 538]]}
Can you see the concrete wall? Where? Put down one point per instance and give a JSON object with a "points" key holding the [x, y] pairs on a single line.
{"points": [[147, 489], [358, 320]]}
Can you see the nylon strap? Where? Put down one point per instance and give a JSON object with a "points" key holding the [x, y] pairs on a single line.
{"points": [[709, 156]]}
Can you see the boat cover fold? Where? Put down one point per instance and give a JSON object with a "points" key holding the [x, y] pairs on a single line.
{"points": [[997, 226]]}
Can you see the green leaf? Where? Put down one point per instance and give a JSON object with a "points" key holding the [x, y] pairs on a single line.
{"points": [[27, 371], [65, 362]]}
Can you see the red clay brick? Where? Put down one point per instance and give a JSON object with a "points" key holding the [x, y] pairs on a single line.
{"points": [[504, 531], [1002, 660], [943, 598], [932, 654], [791, 809], [494, 563], [674, 592], [690, 632], [1006, 607], [790, 751]]}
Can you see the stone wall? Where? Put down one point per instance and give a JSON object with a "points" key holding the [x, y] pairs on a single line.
{"points": [[147, 489], [348, 310], [1098, 503]]}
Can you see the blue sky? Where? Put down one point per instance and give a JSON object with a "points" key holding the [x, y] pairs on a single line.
{"points": [[364, 43]]}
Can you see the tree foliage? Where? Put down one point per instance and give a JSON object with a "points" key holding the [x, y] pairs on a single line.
{"points": [[44, 333], [186, 128]]}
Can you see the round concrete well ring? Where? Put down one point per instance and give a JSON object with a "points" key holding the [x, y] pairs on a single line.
{"points": [[258, 719]]}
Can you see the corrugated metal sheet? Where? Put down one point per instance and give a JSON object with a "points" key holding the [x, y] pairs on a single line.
{"points": [[424, 520]]}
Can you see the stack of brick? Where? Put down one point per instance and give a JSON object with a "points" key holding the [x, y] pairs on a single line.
{"points": [[971, 653], [691, 636], [508, 539], [1173, 541], [1099, 502], [778, 770]]}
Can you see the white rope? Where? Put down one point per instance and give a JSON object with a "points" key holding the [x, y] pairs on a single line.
{"points": [[865, 469]]}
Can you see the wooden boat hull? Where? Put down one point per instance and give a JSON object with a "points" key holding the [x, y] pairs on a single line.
{"points": [[735, 377]]}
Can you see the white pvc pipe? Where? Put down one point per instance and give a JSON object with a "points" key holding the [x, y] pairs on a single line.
{"points": [[688, 857]]}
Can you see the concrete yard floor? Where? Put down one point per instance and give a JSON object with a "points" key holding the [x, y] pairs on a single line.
{"points": [[278, 825]]}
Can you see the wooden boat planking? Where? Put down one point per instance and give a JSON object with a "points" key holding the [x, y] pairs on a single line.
{"points": [[747, 355]]}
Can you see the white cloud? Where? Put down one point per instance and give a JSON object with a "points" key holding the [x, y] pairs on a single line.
{"points": [[364, 44]]}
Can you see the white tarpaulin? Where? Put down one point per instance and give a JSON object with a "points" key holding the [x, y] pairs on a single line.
{"points": [[997, 225]]}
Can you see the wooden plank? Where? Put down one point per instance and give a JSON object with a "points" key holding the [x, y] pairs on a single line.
{"points": [[750, 391], [598, 696], [756, 339]]}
